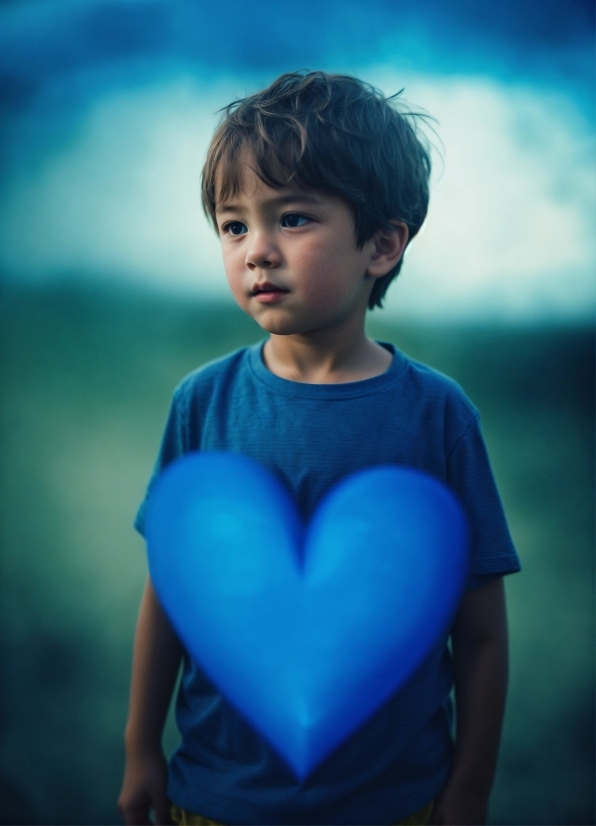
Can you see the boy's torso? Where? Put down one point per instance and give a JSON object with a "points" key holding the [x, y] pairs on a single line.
{"points": [[312, 436]]}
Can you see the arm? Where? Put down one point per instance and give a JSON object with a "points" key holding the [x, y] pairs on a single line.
{"points": [[156, 660], [479, 639]]}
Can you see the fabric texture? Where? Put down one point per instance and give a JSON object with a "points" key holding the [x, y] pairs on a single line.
{"points": [[311, 436]]}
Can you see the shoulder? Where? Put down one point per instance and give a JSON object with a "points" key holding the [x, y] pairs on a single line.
{"points": [[214, 373], [432, 381], [206, 386], [430, 406], [434, 390]]}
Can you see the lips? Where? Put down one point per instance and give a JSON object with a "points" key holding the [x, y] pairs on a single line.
{"points": [[266, 287], [267, 293]]}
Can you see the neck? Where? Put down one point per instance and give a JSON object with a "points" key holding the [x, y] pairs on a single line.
{"points": [[326, 357]]}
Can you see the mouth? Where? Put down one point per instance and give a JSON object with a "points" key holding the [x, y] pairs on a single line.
{"points": [[268, 293]]}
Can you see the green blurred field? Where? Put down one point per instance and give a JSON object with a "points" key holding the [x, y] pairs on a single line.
{"points": [[87, 374]]}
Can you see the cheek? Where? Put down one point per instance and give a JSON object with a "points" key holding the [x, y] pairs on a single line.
{"points": [[319, 265], [234, 268], [329, 273]]}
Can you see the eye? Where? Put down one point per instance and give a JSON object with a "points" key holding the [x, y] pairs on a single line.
{"points": [[293, 220], [235, 228]]}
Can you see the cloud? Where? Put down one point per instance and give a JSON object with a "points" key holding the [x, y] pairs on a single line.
{"points": [[124, 196], [510, 227], [509, 233]]}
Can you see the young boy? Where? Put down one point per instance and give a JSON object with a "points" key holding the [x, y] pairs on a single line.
{"points": [[316, 185]]}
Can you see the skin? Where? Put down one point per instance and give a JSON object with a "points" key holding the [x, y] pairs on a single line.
{"points": [[156, 662], [480, 658], [303, 244]]}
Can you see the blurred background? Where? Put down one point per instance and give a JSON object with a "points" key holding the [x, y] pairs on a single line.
{"points": [[111, 289]]}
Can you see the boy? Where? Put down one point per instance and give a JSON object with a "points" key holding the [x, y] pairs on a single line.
{"points": [[315, 186]]}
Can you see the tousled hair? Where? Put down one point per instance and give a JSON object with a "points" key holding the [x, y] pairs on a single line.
{"points": [[333, 133]]}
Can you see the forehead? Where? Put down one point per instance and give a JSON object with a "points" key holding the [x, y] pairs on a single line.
{"points": [[240, 184]]}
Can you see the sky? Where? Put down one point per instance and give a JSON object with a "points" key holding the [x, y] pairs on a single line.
{"points": [[108, 107]]}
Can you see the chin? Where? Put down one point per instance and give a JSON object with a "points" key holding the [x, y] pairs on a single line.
{"points": [[279, 329], [279, 326]]}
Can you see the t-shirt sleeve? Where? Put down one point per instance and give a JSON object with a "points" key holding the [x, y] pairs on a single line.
{"points": [[469, 474], [173, 444]]}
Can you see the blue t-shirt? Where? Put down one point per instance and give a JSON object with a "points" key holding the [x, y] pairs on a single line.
{"points": [[311, 436]]}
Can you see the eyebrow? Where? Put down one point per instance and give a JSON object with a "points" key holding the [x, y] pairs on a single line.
{"points": [[296, 198]]}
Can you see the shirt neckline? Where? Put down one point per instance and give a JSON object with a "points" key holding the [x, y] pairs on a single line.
{"points": [[343, 390]]}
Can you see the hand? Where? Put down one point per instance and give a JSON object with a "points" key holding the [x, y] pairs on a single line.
{"points": [[454, 807], [143, 789]]}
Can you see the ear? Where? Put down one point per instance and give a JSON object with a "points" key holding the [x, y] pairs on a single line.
{"points": [[389, 246]]}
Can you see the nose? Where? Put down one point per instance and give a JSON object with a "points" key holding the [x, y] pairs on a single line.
{"points": [[262, 252]]}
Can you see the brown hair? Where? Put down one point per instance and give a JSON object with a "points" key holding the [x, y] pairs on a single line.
{"points": [[333, 133]]}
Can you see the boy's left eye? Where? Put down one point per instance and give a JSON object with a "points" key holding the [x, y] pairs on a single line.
{"points": [[293, 220]]}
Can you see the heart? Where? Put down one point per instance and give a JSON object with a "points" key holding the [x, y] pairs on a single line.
{"points": [[306, 631]]}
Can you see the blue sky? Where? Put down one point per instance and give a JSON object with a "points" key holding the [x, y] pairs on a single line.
{"points": [[108, 108]]}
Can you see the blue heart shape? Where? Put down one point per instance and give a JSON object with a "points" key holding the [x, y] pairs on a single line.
{"points": [[306, 632]]}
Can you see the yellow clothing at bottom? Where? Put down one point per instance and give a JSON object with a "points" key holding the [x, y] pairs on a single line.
{"points": [[184, 818]]}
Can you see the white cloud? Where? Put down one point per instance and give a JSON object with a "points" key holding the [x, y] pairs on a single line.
{"points": [[510, 229], [509, 232], [124, 197]]}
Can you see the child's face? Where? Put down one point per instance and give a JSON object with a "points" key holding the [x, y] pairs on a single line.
{"points": [[291, 257]]}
